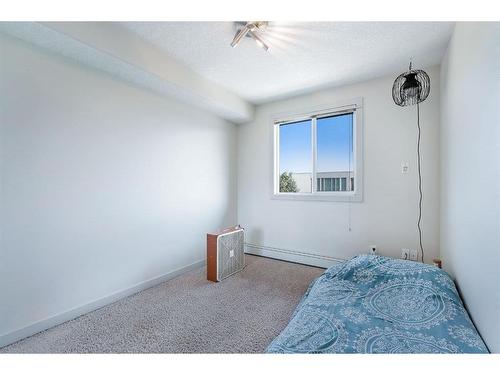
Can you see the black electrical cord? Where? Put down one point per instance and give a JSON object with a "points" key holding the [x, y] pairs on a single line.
{"points": [[349, 173], [419, 185]]}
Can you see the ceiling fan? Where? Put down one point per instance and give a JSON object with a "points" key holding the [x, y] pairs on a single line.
{"points": [[250, 29]]}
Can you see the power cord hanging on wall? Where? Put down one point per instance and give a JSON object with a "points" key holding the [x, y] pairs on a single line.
{"points": [[419, 185]]}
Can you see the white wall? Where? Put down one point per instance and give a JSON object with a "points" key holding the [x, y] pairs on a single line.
{"points": [[386, 217], [103, 185], [470, 178]]}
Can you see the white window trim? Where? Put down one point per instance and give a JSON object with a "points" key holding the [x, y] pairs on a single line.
{"points": [[355, 105]]}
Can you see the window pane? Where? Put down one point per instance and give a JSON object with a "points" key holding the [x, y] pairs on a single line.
{"points": [[328, 185], [295, 157], [335, 159]]}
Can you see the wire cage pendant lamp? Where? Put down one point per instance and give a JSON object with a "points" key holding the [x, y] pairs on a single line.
{"points": [[411, 87]]}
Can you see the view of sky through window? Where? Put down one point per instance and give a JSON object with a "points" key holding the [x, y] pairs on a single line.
{"points": [[334, 145], [295, 147]]}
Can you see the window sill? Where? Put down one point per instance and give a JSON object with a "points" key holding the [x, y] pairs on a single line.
{"points": [[356, 197]]}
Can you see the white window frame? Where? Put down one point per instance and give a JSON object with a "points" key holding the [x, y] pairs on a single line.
{"points": [[354, 106]]}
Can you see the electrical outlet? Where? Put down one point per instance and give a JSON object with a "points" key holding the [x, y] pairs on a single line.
{"points": [[405, 254], [231, 253], [405, 167], [413, 254], [373, 249]]}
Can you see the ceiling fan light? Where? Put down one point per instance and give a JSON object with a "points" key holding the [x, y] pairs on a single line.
{"points": [[258, 40], [250, 29]]}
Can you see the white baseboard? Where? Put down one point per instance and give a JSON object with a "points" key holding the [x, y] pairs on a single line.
{"points": [[65, 316], [307, 258]]}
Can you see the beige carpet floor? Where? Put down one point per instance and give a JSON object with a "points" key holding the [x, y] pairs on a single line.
{"points": [[188, 314]]}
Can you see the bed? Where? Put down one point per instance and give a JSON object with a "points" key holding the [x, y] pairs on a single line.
{"points": [[375, 304]]}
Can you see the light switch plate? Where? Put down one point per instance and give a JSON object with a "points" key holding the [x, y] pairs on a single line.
{"points": [[231, 253], [405, 168]]}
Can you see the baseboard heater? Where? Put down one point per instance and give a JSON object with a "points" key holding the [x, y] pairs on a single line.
{"points": [[308, 258]]}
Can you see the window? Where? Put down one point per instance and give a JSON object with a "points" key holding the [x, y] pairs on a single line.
{"points": [[295, 153], [317, 155]]}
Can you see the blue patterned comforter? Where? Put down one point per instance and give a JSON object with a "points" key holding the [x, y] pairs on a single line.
{"points": [[374, 304]]}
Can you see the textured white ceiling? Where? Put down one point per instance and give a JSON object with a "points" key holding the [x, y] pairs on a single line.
{"points": [[303, 56]]}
